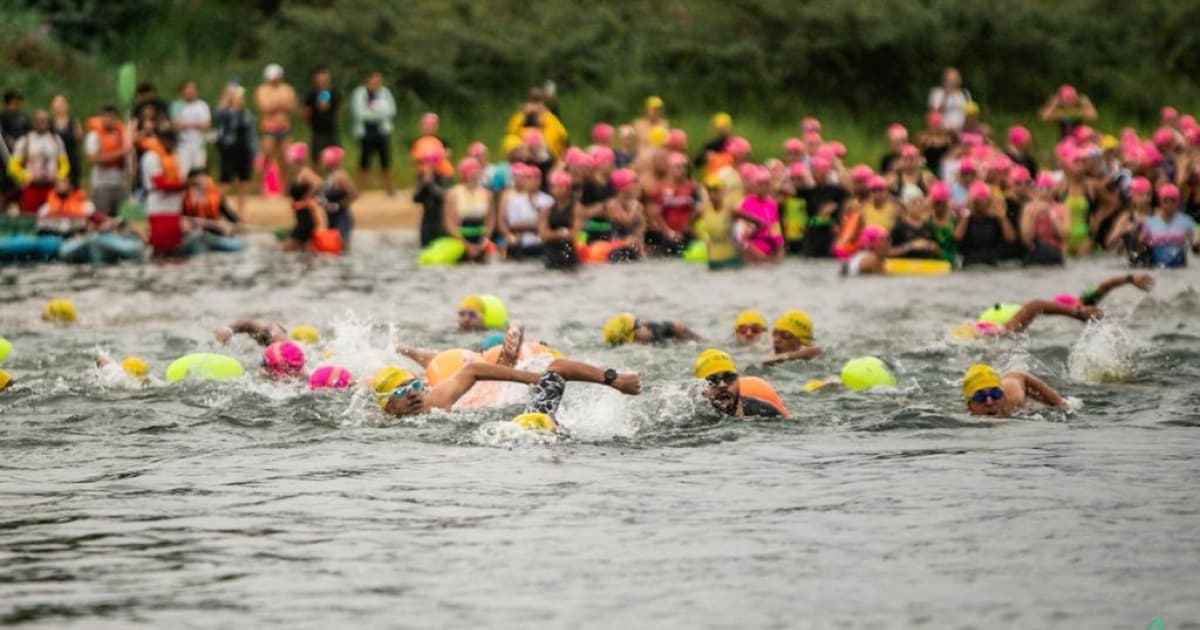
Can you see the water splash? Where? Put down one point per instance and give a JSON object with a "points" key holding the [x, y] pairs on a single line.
{"points": [[1104, 353]]}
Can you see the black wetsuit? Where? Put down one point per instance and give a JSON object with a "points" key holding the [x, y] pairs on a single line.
{"points": [[560, 254]]}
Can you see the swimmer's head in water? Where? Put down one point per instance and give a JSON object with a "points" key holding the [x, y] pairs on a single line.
{"points": [[134, 367], [470, 313], [5, 380], [330, 377], [982, 390], [749, 327], [59, 310], [406, 399], [543, 422], [1068, 300], [720, 375], [619, 329], [305, 334], [386, 380], [283, 358], [793, 330]]}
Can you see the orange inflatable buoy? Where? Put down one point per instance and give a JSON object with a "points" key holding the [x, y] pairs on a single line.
{"points": [[528, 351], [846, 243], [327, 241], [446, 364], [596, 253], [754, 387]]}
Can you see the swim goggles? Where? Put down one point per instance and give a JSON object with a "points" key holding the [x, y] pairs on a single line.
{"points": [[750, 329], [405, 389], [982, 396], [470, 314], [728, 378]]}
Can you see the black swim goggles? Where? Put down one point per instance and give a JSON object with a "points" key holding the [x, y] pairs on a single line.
{"points": [[727, 378]]}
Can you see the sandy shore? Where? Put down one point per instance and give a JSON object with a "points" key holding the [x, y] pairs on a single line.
{"points": [[374, 210]]}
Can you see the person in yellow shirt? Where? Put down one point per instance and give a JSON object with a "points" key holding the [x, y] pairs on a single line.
{"points": [[652, 119], [535, 115]]}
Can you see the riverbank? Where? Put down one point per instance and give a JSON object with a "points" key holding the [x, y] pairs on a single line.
{"points": [[374, 210]]}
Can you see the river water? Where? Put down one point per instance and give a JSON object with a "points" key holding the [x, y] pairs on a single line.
{"points": [[256, 504]]}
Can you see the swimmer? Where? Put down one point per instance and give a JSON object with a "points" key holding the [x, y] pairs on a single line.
{"points": [[626, 328], [1084, 308], [749, 327], [730, 393], [134, 367], [264, 333], [283, 360], [988, 393], [478, 313], [6, 379], [510, 348], [412, 396], [792, 339]]}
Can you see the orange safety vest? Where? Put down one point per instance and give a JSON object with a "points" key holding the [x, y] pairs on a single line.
{"points": [[72, 207], [170, 179], [207, 205], [110, 139]]}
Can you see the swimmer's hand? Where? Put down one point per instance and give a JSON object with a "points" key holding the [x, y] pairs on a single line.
{"points": [[223, 334], [1143, 281], [628, 384], [1089, 313], [776, 359]]}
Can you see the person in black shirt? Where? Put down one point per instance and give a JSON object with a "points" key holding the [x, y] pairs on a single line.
{"points": [[984, 233], [13, 124], [912, 236], [722, 125], [824, 201], [321, 108], [146, 98], [431, 194]]}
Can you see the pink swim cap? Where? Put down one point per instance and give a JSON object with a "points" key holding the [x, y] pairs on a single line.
{"points": [[434, 154], [1193, 136], [576, 157], [1168, 191], [1067, 300], [980, 190], [933, 118], [793, 145], [1084, 133], [987, 329], [1045, 181], [812, 137], [876, 183], [798, 170], [329, 377], [560, 180], [1164, 138], [1018, 175], [861, 173], [760, 175], [677, 139], [1019, 136], [737, 146], [965, 165], [1150, 157], [1187, 121], [468, 167], [602, 156], [1000, 163], [820, 165], [896, 132], [477, 150], [970, 139], [939, 191], [872, 236], [746, 171], [602, 133], [622, 178], [331, 157], [296, 153], [1066, 92], [1140, 186], [838, 148], [676, 159], [533, 137], [810, 125], [283, 358], [910, 151], [1169, 114]]}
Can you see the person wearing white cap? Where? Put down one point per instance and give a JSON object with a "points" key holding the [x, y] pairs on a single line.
{"points": [[276, 102]]}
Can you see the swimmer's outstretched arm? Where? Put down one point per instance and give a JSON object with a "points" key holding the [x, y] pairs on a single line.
{"points": [[1143, 281], [445, 395], [630, 384], [683, 333], [422, 357], [1039, 390], [807, 353], [1032, 309], [265, 333]]}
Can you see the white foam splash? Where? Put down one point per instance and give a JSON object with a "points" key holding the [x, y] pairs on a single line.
{"points": [[508, 435], [1104, 353]]}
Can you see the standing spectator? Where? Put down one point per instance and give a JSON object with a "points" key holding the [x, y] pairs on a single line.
{"points": [[1169, 234], [1045, 226], [147, 101], [1069, 109], [712, 156], [321, 109], [984, 231], [37, 162], [373, 108], [70, 131], [430, 143], [13, 125], [1018, 149], [535, 115], [824, 200], [950, 100], [191, 119], [653, 118], [236, 142], [431, 194], [164, 177], [276, 102], [107, 147]]}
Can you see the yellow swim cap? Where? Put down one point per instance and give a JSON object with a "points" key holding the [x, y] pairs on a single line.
{"points": [[721, 120], [749, 318], [619, 329], [509, 144], [798, 324], [1109, 142], [306, 334], [387, 379], [657, 136], [472, 303], [59, 310], [713, 361], [134, 367], [536, 422], [977, 377], [5, 379], [654, 102], [971, 108], [964, 332]]}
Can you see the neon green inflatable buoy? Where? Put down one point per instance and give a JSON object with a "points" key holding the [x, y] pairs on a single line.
{"points": [[5, 349], [866, 372], [999, 314], [495, 315], [444, 251], [696, 252], [204, 366]]}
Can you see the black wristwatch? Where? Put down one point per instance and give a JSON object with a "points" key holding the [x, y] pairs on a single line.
{"points": [[610, 375]]}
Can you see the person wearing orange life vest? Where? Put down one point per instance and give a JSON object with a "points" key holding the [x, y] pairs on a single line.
{"points": [[38, 160], [106, 147], [164, 177], [733, 394], [66, 212], [204, 204]]}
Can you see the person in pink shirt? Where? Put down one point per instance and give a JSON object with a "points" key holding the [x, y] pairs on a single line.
{"points": [[763, 241]]}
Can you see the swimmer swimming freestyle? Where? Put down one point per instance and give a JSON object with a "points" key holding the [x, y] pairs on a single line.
{"points": [[265, 333], [733, 394], [1004, 319], [792, 339], [988, 393], [627, 328]]}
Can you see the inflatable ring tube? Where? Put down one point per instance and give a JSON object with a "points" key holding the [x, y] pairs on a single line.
{"points": [[204, 366], [78, 250], [754, 387], [999, 314], [530, 350], [696, 252], [495, 315], [442, 251], [327, 241], [223, 244], [596, 253], [915, 267], [865, 373], [115, 247], [446, 364]]}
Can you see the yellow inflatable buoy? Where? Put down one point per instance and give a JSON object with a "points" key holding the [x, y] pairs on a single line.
{"points": [[59, 310], [915, 267], [865, 373], [5, 349], [999, 314], [536, 422]]}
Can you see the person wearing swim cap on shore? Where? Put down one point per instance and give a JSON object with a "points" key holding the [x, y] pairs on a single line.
{"points": [[792, 339], [264, 332], [873, 247], [1013, 319], [627, 328], [749, 327], [736, 395], [989, 393]]}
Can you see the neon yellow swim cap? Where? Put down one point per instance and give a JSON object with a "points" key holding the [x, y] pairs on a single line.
{"points": [[798, 324], [59, 310], [619, 329], [5, 349], [657, 136], [865, 373], [713, 361], [721, 120], [387, 379], [653, 103], [536, 422], [305, 334], [977, 377], [749, 318], [134, 367]]}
